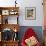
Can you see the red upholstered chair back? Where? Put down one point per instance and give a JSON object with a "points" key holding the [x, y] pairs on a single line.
{"points": [[29, 33]]}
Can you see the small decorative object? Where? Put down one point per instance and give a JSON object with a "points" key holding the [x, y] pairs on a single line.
{"points": [[15, 3], [5, 12], [13, 12], [15, 30], [15, 36], [30, 13], [6, 21]]}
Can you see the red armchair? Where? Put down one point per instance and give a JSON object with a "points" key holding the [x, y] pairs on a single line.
{"points": [[29, 34]]}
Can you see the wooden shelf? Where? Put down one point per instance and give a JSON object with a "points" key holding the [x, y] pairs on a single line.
{"points": [[10, 26], [4, 13], [10, 43], [9, 9], [5, 8]]}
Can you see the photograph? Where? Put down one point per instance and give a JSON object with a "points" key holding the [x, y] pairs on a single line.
{"points": [[30, 13]]}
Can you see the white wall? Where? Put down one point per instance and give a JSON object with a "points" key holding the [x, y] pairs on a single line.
{"points": [[39, 12], [27, 3]]}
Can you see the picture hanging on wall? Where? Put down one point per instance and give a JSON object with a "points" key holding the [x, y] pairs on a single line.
{"points": [[30, 13]]}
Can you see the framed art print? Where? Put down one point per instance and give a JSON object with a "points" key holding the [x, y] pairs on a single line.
{"points": [[5, 12], [30, 13]]}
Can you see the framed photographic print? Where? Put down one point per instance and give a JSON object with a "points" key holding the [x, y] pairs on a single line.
{"points": [[30, 13], [5, 12]]}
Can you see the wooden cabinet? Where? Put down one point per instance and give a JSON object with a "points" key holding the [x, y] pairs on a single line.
{"points": [[7, 26], [10, 43]]}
